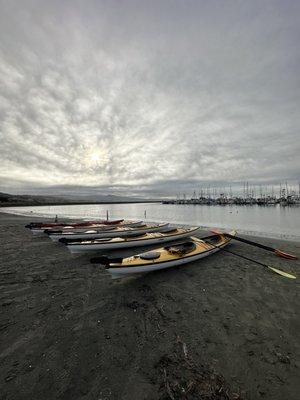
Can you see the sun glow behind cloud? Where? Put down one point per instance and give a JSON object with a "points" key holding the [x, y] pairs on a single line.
{"points": [[97, 158]]}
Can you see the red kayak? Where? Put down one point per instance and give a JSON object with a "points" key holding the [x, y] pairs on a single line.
{"points": [[74, 224]]}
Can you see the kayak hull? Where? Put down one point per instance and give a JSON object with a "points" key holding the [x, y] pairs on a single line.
{"points": [[86, 247], [41, 226], [109, 233], [157, 267], [70, 228]]}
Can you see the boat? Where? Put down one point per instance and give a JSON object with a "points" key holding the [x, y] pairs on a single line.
{"points": [[165, 257], [106, 232], [130, 240], [48, 225], [82, 227], [123, 224], [38, 228]]}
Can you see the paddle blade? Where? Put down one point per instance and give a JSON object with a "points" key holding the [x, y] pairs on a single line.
{"points": [[282, 254], [282, 273]]}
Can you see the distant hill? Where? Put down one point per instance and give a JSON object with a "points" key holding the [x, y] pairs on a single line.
{"points": [[18, 200], [11, 200]]}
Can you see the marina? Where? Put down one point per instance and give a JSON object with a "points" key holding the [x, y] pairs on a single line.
{"points": [[283, 195]]}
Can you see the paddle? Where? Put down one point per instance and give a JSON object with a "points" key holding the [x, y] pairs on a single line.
{"points": [[278, 252], [277, 271]]}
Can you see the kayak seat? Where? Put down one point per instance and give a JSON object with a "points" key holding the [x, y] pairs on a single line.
{"points": [[150, 255], [181, 248], [213, 239]]}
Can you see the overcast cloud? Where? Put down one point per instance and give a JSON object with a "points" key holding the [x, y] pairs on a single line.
{"points": [[148, 94]]}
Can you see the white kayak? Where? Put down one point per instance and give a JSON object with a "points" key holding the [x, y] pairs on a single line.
{"points": [[67, 228], [131, 240], [107, 233], [165, 257]]}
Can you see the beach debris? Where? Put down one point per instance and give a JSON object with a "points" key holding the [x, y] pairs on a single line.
{"points": [[9, 378], [283, 359], [180, 377], [135, 305], [167, 386], [184, 347], [7, 303]]}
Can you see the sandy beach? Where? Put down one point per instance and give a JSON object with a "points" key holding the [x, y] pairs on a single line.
{"points": [[70, 332]]}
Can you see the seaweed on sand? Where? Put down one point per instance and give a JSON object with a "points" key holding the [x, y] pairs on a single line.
{"points": [[181, 378]]}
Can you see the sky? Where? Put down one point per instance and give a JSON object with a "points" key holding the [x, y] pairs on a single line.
{"points": [[146, 97]]}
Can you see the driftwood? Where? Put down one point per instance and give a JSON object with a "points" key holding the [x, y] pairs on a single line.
{"points": [[181, 378]]}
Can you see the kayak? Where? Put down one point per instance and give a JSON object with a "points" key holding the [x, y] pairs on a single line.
{"points": [[124, 223], [165, 257], [130, 240], [83, 226], [106, 233], [37, 228], [46, 225]]}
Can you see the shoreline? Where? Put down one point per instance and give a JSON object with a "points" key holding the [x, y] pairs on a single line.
{"points": [[69, 331], [75, 204], [244, 232]]}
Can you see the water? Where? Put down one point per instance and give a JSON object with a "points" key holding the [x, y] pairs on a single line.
{"points": [[271, 221]]}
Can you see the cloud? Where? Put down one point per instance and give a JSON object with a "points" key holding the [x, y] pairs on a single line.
{"points": [[150, 95]]}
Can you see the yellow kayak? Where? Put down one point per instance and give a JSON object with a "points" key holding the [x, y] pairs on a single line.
{"points": [[187, 251]]}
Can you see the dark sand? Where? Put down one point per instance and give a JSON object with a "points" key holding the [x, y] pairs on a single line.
{"points": [[69, 332]]}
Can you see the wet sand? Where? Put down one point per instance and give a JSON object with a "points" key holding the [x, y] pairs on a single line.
{"points": [[222, 326]]}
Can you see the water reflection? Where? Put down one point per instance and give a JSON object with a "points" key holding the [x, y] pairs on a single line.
{"points": [[274, 221]]}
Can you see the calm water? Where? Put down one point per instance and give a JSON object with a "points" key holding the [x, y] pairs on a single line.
{"points": [[272, 221]]}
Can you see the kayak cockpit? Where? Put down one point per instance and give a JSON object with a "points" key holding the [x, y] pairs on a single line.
{"points": [[181, 248]]}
